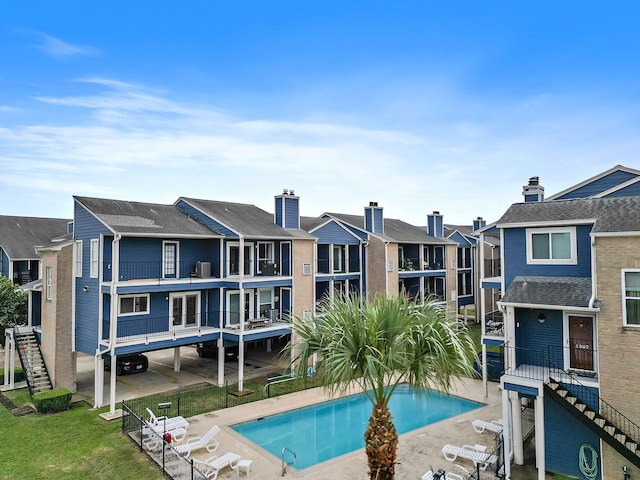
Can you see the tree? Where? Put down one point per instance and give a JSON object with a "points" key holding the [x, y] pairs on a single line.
{"points": [[13, 304], [377, 346]]}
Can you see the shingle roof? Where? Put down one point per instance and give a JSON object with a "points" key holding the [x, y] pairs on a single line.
{"points": [[619, 214], [309, 223], [153, 219], [20, 235], [396, 230], [559, 291], [247, 220]]}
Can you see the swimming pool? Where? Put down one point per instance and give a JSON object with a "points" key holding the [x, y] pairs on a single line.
{"points": [[324, 431]]}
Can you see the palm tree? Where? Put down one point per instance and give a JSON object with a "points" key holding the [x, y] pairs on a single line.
{"points": [[377, 346]]}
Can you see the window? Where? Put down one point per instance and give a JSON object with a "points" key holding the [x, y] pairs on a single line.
{"points": [[78, 257], [184, 310], [337, 258], [95, 243], [553, 245], [170, 259], [134, 304], [233, 258], [265, 303], [631, 293], [265, 254], [48, 282]]}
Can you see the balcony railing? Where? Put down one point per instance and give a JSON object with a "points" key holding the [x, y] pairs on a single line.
{"points": [[492, 268], [551, 361], [267, 318], [494, 324], [155, 270], [145, 327], [409, 264], [324, 266]]}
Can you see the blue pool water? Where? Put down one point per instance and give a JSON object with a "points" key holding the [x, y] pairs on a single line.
{"points": [[324, 431]]}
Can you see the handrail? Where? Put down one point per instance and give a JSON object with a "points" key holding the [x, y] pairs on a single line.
{"points": [[286, 464], [275, 380]]}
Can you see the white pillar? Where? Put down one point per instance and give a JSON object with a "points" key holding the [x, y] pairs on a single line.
{"points": [[268, 345], [540, 457], [485, 374], [220, 362], [176, 359], [98, 387], [7, 353], [506, 433], [112, 388], [12, 361], [516, 430], [240, 363]]}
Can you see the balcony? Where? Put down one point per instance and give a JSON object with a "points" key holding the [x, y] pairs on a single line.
{"points": [[160, 270], [492, 268], [324, 266], [554, 361], [266, 319], [147, 328], [408, 264]]}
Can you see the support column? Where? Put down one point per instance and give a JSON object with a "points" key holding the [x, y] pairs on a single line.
{"points": [[112, 388], [7, 353], [220, 362], [516, 429], [506, 433], [540, 456], [98, 387], [12, 361], [240, 364], [485, 374], [176, 359], [269, 345]]}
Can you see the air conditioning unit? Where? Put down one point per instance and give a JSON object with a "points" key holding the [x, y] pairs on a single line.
{"points": [[268, 268], [203, 269]]}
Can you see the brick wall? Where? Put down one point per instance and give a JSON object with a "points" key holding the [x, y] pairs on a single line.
{"points": [[376, 267], [303, 284]]}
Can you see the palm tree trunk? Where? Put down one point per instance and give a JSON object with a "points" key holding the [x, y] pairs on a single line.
{"points": [[381, 441]]}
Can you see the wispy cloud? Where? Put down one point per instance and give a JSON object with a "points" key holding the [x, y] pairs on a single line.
{"points": [[133, 142], [60, 49]]}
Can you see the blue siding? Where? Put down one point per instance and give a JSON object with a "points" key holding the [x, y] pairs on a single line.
{"points": [[286, 259], [435, 226], [515, 257], [332, 233], [107, 256], [563, 437], [373, 220], [279, 217], [36, 308], [291, 213], [460, 239], [599, 186], [627, 191], [357, 232], [106, 316], [205, 219], [539, 341], [86, 314]]}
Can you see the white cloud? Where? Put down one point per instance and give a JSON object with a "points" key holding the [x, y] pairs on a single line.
{"points": [[60, 49], [137, 143]]}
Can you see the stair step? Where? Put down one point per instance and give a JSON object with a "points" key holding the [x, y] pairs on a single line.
{"points": [[563, 393], [610, 429], [571, 400], [621, 437], [590, 414], [554, 386], [581, 406]]}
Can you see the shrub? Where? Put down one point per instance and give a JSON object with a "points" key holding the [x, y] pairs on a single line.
{"points": [[18, 375], [55, 400]]}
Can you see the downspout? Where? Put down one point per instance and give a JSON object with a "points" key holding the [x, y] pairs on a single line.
{"points": [[386, 268], [594, 278], [363, 278], [242, 313]]}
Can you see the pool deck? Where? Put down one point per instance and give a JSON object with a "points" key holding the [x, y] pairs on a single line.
{"points": [[417, 450]]}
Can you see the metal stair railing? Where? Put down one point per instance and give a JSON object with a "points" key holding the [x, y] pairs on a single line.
{"points": [[21, 336]]}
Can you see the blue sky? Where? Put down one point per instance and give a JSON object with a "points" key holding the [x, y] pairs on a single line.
{"points": [[417, 105]]}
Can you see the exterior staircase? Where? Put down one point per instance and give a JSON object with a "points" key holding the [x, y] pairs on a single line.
{"points": [[608, 423], [35, 370]]}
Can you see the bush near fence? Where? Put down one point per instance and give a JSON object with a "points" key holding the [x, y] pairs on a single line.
{"points": [[18, 375]]}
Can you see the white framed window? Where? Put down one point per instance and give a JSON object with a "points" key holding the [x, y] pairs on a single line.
{"points": [[133, 305], [337, 258], [184, 309], [48, 283], [93, 265], [631, 298], [233, 259], [265, 302], [170, 260], [77, 253], [552, 246], [265, 254]]}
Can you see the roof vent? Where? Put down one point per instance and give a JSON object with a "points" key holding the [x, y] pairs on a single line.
{"points": [[533, 181], [373, 204], [291, 192]]}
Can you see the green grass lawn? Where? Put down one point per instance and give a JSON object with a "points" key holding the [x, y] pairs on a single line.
{"points": [[72, 445]]}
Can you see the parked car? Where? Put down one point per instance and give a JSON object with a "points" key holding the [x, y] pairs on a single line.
{"points": [[210, 349], [131, 363]]}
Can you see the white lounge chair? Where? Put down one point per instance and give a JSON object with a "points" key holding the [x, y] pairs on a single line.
{"points": [[480, 426], [208, 441], [177, 433], [449, 475], [166, 422], [474, 453], [211, 467]]}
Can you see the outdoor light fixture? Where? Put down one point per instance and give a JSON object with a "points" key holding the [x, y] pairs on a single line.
{"points": [[542, 317]]}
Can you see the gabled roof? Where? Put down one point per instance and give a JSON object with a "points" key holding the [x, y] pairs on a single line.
{"points": [[311, 223], [148, 219], [609, 215], [619, 172], [463, 229], [244, 219], [20, 235], [556, 291], [395, 230]]}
